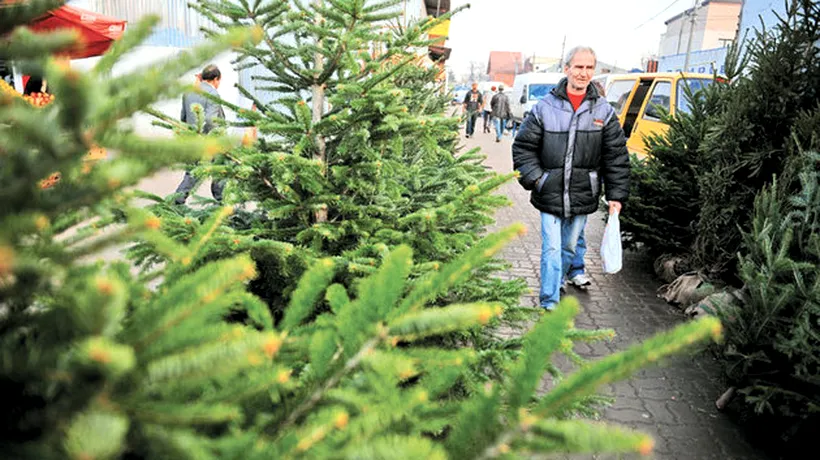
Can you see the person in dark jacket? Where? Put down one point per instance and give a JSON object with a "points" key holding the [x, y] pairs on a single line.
{"points": [[209, 81], [473, 101], [569, 143], [501, 112], [577, 271]]}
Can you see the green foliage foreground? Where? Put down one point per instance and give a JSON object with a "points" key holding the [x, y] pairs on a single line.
{"points": [[98, 362]]}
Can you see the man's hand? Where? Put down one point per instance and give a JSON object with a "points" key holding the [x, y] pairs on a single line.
{"points": [[614, 206]]}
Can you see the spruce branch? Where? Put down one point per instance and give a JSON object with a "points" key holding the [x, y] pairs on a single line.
{"points": [[621, 365], [329, 384]]}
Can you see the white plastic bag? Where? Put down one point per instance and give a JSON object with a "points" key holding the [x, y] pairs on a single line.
{"points": [[611, 251]]}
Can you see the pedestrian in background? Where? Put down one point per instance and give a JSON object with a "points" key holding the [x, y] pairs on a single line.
{"points": [[473, 102], [487, 112], [501, 112], [570, 139], [208, 82]]}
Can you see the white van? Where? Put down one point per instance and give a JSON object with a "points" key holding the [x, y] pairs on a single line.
{"points": [[528, 89]]}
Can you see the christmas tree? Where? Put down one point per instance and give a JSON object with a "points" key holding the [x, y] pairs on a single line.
{"points": [[355, 154], [748, 141], [771, 349], [97, 365]]}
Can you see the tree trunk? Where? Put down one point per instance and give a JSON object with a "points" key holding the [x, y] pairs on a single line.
{"points": [[318, 111]]}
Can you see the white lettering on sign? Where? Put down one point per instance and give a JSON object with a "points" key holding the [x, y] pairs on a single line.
{"points": [[85, 17]]}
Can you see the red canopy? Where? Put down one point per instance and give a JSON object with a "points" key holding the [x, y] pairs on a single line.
{"points": [[97, 31]]}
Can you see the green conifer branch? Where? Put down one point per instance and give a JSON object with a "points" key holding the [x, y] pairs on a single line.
{"points": [[24, 44], [187, 295], [307, 292], [239, 350], [163, 442], [539, 345], [182, 415], [13, 14], [577, 437], [417, 325], [621, 365], [96, 434], [205, 234], [453, 273], [476, 425]]}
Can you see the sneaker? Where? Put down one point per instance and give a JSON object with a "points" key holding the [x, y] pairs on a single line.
{"points": [[580, 280], [563, 287]]}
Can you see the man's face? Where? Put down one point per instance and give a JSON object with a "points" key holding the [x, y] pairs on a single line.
{"points": [[475, 86], [579, 71]]}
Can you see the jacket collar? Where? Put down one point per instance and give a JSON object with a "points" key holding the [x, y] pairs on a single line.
{"points": [[206, 87], [560, 91]]}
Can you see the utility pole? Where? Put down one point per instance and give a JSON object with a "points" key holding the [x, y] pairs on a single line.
{"points": [[561, 56], [692, 20]]}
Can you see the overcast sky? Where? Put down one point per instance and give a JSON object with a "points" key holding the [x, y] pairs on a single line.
{"points": [[620, 31]]}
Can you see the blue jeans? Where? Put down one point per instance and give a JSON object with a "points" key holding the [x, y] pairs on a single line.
{"points": [[558, 239], [577, 266], [499, 127], [471, 117]]}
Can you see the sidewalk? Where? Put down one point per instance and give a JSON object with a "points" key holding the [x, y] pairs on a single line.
{"points": [[673, 402]]}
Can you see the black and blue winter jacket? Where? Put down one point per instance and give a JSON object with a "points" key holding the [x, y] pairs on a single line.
{"points": [[569, 153]]}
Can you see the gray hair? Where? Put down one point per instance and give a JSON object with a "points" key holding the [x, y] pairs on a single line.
{"points": [[579, 49]]}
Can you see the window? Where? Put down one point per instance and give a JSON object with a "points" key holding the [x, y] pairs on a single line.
{"points": [[660, 97], [539, 90], [618, 93], [695, 84]]}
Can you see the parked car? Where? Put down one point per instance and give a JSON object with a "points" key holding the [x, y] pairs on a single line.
{"points": [[528, 89], [637, 98]]}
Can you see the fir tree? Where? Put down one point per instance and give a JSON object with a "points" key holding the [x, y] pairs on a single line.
{"points": [[371, 165], [748, 143], [665, 209], [772, 347]]}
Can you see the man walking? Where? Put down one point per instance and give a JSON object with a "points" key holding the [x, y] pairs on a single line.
{"points": [[487, 111], [472, 104], [209, 81], [569, 141], [501, 112], [577, 271]]}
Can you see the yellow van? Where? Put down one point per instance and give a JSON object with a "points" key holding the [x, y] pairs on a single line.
{"points": [[636, 96]]}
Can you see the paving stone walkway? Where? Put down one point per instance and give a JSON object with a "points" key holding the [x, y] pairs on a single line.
{"points": [[673, 402]]}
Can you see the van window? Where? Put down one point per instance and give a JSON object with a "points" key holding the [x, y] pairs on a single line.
{"points": [[618, 93], [537, 91], [695, 84], [661, 94]]}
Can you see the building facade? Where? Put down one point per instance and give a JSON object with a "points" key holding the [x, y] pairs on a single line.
{"points": [[704, 33], [714, 26], [503, 66]]}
